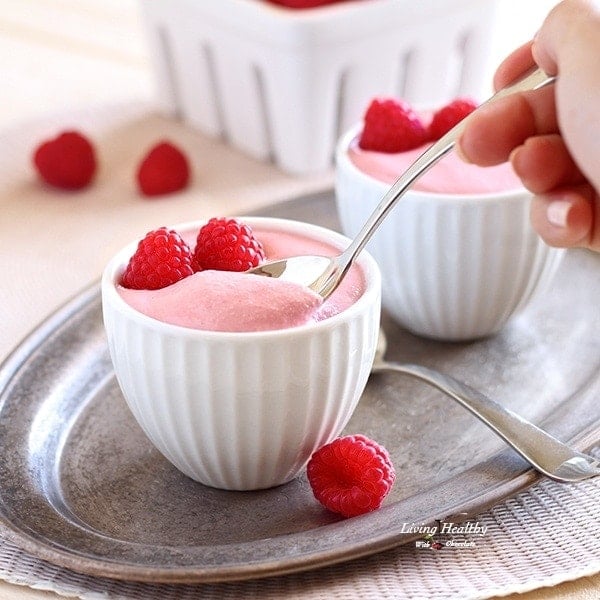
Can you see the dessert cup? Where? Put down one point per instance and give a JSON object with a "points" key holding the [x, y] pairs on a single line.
{"points": [[455, 266], [243, 411]]}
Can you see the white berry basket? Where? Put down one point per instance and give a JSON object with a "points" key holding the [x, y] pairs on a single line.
{"points": [[282, 84]]}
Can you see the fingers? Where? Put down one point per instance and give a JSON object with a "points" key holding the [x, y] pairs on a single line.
{"points": [[544, 163], [551, 135], [564, 33], [567, 19], [569, 42], [513, 66], [566, 218], [497, 129]]}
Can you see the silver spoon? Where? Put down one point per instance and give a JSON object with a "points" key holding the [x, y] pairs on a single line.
{"points": [[323, 274], [549, 456]]}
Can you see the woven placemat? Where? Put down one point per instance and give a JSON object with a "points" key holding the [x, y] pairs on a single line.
{"points": [[541, 537]]}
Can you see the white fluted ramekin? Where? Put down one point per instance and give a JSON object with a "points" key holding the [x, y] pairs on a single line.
{"points": [[454, 267], [243, 411]]}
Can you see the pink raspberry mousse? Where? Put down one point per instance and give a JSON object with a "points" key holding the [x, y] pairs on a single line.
{"points": [[236, 302], [451, 175]]}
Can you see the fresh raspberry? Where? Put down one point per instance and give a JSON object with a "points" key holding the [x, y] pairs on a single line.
{"points": [[227, 245], [351, 475], [391, 126], [67, 161], [448, 116], [165, 169], [303, 3], [161, 258]]}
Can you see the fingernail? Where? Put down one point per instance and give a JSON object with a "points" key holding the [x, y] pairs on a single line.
{"points": [[558, 212]]}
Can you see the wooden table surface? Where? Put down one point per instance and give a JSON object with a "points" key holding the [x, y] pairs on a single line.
{"points": [[59, 56]]}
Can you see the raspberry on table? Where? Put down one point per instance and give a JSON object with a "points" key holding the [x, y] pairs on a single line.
{"points": [[450, 115], [225, 244], [67, 161], [391, 125], [163, 170], [161, 259], [351, 475]]}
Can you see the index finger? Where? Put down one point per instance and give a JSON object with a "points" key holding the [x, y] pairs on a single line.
{"points": [[495, 130], [514, 65]]}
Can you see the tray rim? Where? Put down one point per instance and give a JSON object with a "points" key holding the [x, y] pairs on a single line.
{"points": [[100, 566]]}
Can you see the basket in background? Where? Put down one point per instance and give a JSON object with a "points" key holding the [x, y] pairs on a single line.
{"points": [[283, 84]]}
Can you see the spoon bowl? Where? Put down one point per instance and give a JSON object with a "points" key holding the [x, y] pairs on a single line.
{"points": [[322, 274]]}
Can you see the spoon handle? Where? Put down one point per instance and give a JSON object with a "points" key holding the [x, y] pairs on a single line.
{"points": [[547, 454], [534, 80]]}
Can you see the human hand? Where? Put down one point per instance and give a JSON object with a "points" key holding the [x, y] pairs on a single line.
{"points": [[551, 136]]}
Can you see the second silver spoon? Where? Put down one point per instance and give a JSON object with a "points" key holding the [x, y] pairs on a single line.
{"points": [[547, 454]]}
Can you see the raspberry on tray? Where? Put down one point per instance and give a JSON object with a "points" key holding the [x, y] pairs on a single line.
{"points": [[351, 475]]}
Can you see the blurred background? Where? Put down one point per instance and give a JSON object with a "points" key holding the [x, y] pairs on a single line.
{"points": [[69, 54]]}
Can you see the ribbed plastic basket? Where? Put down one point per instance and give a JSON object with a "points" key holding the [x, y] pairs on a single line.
{"points": [[283, 84]]}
